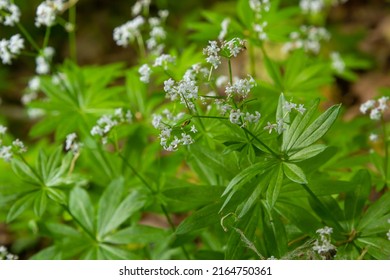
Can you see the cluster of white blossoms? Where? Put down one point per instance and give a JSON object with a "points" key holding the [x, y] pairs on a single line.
{"points": [[47, 12], [243, 119], [7, 152], [311, 6], [185, 90], [43, 61], [5, 255], [338, 63], [240, 87], [227, 49], [128, 32], [308, 38], [9, 13], [323, 245], [71, 144], [107, 122], [9, 49], [31, 90], [131, 30], [224, 29], [260, 6], [376, 108], [162, 60], [171, 135], [287, 107]]}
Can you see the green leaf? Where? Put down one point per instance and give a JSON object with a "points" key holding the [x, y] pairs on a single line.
{"points": [[318, 128], [294, 173], [356, 199], [201, 218], [307, 152], [49, 253], [137, 234], [56, 195], [40, 203], [108, 252], [81, 208], [380, 208], [108, 203], [297, 127], [130, 205], [377, 247], [274, 186], [22, 204], [274, 72], [242, 238], [25, 172]]}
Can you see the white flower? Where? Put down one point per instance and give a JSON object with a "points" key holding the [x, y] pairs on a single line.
{"points": [[260, 30], [235, 116], [127, 32], [224, 28], [18, 146], [3, 129], [337, 62], [47, 12], [43, 61], [373, 137], [369, 104], [375, 114], [6, 153], [139, 6], [9, 49], [270, 127], [9, 13], [193, 129], [34, 83], [241, 87], [145, 72], [69, 141], [252, 118], [383, 103], [163, 61], [186, 139], [311, 6], [234, 46], [212, 52], [323, 245]]}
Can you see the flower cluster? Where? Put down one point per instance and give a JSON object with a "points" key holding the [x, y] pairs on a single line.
{"points": [[7, 152], [5, 255], [240, 87], [323, 245], [243, 119], [32, 90], [131, 30], [227, 49], [338, 63], [311, 6], [287, 107], [107, 122], [376, 109], [71, 144], [43, 61], [224, 29], [9, 49], [47, 12], [171, 134], [260, 6], [126, 33], [259, 28], [9, 13], [308, 38], [185, 90]]}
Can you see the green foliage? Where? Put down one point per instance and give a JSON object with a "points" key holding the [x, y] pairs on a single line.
{"points": [[174, 157]]}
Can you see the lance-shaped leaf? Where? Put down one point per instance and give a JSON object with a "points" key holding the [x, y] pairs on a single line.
{"points": [[81, 208], [294, 173]]}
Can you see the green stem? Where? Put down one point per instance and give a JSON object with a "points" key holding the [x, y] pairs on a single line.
{"points": [[72, 34], [261, 143], [28, 37], [90, 234], [46, 38], [141, 46], [230, 72], [324, 208], [136, 173]]}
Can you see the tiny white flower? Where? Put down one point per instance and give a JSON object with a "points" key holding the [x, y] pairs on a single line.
{"points": [[224, 29], [375, 114], [373, 137], [3, 129], [145, 72], [193, 129], [369, 104]]}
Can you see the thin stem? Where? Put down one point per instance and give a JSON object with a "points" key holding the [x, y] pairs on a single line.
{"points": [[90, 234], [72, 34], [28, 37], [46, 38], [141, 46], [136, 173], [230, 72], [252, 60], [261, 143], [324, 208]]}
